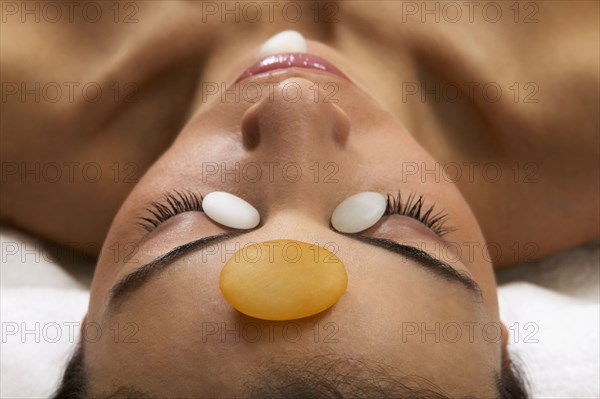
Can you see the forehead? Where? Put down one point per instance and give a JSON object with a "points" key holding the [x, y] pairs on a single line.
{"points": [[179, 328]]}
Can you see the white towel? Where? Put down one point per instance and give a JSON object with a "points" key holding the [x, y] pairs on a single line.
{"points": [[559, 298], [553, 305]]}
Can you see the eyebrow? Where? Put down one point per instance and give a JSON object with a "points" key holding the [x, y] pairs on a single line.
{"points": [[438, 267], [134, 280]]}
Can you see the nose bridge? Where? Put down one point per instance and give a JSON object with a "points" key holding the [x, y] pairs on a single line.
{"points": [[299, 222], [295, 117]]}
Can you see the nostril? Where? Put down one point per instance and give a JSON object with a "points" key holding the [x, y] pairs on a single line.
{"points": [[286, 125]]}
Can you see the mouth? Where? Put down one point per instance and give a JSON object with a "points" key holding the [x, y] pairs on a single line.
{"points": [[290, 60]]}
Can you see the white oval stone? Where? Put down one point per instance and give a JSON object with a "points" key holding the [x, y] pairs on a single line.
{"points": [[230, 211], [288, 41], [358, 212]]}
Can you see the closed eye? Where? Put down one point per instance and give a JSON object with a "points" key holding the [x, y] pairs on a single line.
{"points": [[173, 204], [177, 202], [413, 206]]}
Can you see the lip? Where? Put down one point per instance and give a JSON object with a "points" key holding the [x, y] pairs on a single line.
{"points": [[290, 60]]}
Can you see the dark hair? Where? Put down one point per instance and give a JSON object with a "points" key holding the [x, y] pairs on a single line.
{"points": [[319, 377]]}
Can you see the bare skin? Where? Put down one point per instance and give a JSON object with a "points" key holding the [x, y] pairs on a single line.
{"points": [[546, 200], [528, 164]]}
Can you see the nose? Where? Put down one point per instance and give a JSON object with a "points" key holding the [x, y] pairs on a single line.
{"points": [[295, 116]]}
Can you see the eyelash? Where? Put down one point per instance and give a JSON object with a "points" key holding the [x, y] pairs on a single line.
{"points": [[413, 207], [173, 204], [179, 202]]}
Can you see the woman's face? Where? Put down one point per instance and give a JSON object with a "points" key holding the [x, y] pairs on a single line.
{"points": [[293, 143]]}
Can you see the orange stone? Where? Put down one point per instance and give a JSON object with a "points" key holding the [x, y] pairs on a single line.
{"points": [[283, 280]]}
